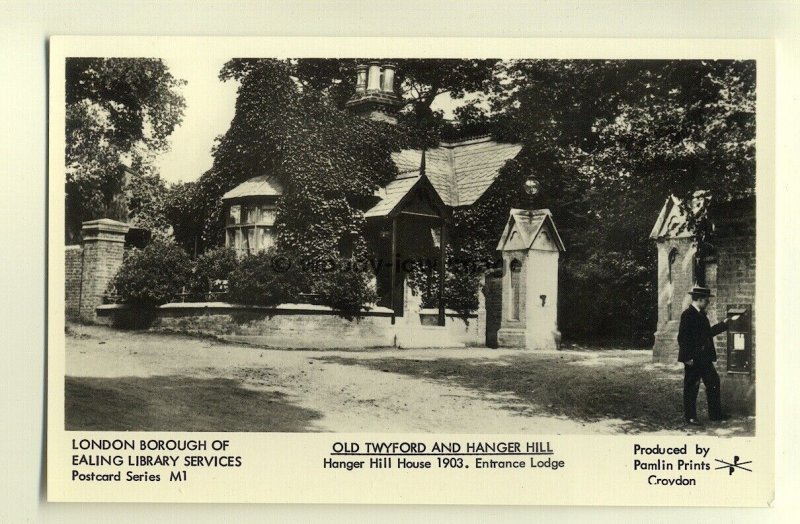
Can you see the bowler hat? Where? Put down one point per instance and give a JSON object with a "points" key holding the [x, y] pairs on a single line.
{"points": [[700, 292]]}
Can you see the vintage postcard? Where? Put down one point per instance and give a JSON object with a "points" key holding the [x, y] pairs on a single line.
{"points": [[408, 270]]}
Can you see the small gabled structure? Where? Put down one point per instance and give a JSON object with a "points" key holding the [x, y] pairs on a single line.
{"points": [[409, 207], [679, 269], [530, 246], [724, 261], [412, 195]]}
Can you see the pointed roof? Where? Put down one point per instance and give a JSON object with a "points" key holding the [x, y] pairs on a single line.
{"points": [[399, 192], [672, 221], [528, 223], [460, 171], [262, 185]]}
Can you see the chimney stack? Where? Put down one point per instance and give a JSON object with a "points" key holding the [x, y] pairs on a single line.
{"points": [[374, 96]]}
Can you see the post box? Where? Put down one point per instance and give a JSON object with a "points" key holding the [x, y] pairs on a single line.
{"points": [[740, 338]]}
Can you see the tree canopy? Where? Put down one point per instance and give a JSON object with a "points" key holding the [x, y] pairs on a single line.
{"points": [[119, 111], [606, 142]]}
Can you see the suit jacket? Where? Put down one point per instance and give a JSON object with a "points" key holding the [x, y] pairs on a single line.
{"points": [[696, 336]]}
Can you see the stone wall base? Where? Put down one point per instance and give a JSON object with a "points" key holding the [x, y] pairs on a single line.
{"points": [[511, 338], [665, 347], [290, 326]]}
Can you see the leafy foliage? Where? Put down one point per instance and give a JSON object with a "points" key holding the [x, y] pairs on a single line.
{"points": [[118, 111], [186, 211], [347, 291], [605, 142], [153, 275], [149, 197], [255, 281], [209, 268], [328, 161]]}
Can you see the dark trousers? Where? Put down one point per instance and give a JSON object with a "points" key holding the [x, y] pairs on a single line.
{"points": [[691, 386]]}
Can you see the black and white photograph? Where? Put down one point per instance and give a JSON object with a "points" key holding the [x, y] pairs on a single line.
{"points": [[420, 261], [390, 244]]}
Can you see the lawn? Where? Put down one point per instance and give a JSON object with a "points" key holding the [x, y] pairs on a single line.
{"points": [[646, 398], [177, 403]]}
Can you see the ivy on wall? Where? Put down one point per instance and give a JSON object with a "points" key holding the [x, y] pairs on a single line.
{"points": [[328, 161]]}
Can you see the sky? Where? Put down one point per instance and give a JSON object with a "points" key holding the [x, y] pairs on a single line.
{"points": [[210, 105], [209, 110]]}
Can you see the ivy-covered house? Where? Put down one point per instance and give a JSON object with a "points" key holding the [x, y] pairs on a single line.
{"points": [[407, 218]]}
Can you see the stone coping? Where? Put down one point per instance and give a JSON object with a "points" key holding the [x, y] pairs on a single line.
{"points": [[447, 312], [281, 308], [378, 311]]}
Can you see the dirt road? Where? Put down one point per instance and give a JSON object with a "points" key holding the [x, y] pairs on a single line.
{"points": [[344, 398], [349, 398]]}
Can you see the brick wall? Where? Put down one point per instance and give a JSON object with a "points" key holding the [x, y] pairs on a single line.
{"points": [[735, 268], [101, 260], [293, 327], [90, 267], [72, 281]]}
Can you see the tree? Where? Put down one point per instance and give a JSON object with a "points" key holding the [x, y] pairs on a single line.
{"points": [[147, 200], [605, 142], [118, 111]]}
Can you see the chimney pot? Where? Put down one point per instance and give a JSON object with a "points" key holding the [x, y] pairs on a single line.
{"points": [[374, 77], [361, 78], [388, 78]]}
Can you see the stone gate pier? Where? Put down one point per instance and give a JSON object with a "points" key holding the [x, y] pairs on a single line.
{"points": [[530, 246]]}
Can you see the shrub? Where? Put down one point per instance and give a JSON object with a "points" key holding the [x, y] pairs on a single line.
{"points": [[460, 288], [153, 275], [211, 267], [348, 291], [255, 281]]}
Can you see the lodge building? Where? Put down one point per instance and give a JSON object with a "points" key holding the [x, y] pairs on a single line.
{"points": [[408, 216]]}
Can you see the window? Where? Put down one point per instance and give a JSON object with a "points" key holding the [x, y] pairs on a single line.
{"points": [[516, 271], [673, 255], [249, 228]]}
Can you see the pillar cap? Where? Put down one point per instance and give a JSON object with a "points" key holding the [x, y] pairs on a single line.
{"points": [[106, 227]]}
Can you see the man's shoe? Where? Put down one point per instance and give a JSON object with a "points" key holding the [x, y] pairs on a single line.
{"points": [[721, 418], [693, 422]]}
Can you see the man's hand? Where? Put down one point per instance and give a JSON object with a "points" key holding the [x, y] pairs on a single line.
{"points": [[689, 362]]}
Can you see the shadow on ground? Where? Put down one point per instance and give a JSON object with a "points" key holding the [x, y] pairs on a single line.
{"points": [[554, 384], [178, 403]]}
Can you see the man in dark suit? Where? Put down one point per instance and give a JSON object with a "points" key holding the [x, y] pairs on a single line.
{"points": [[697, 352]]}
